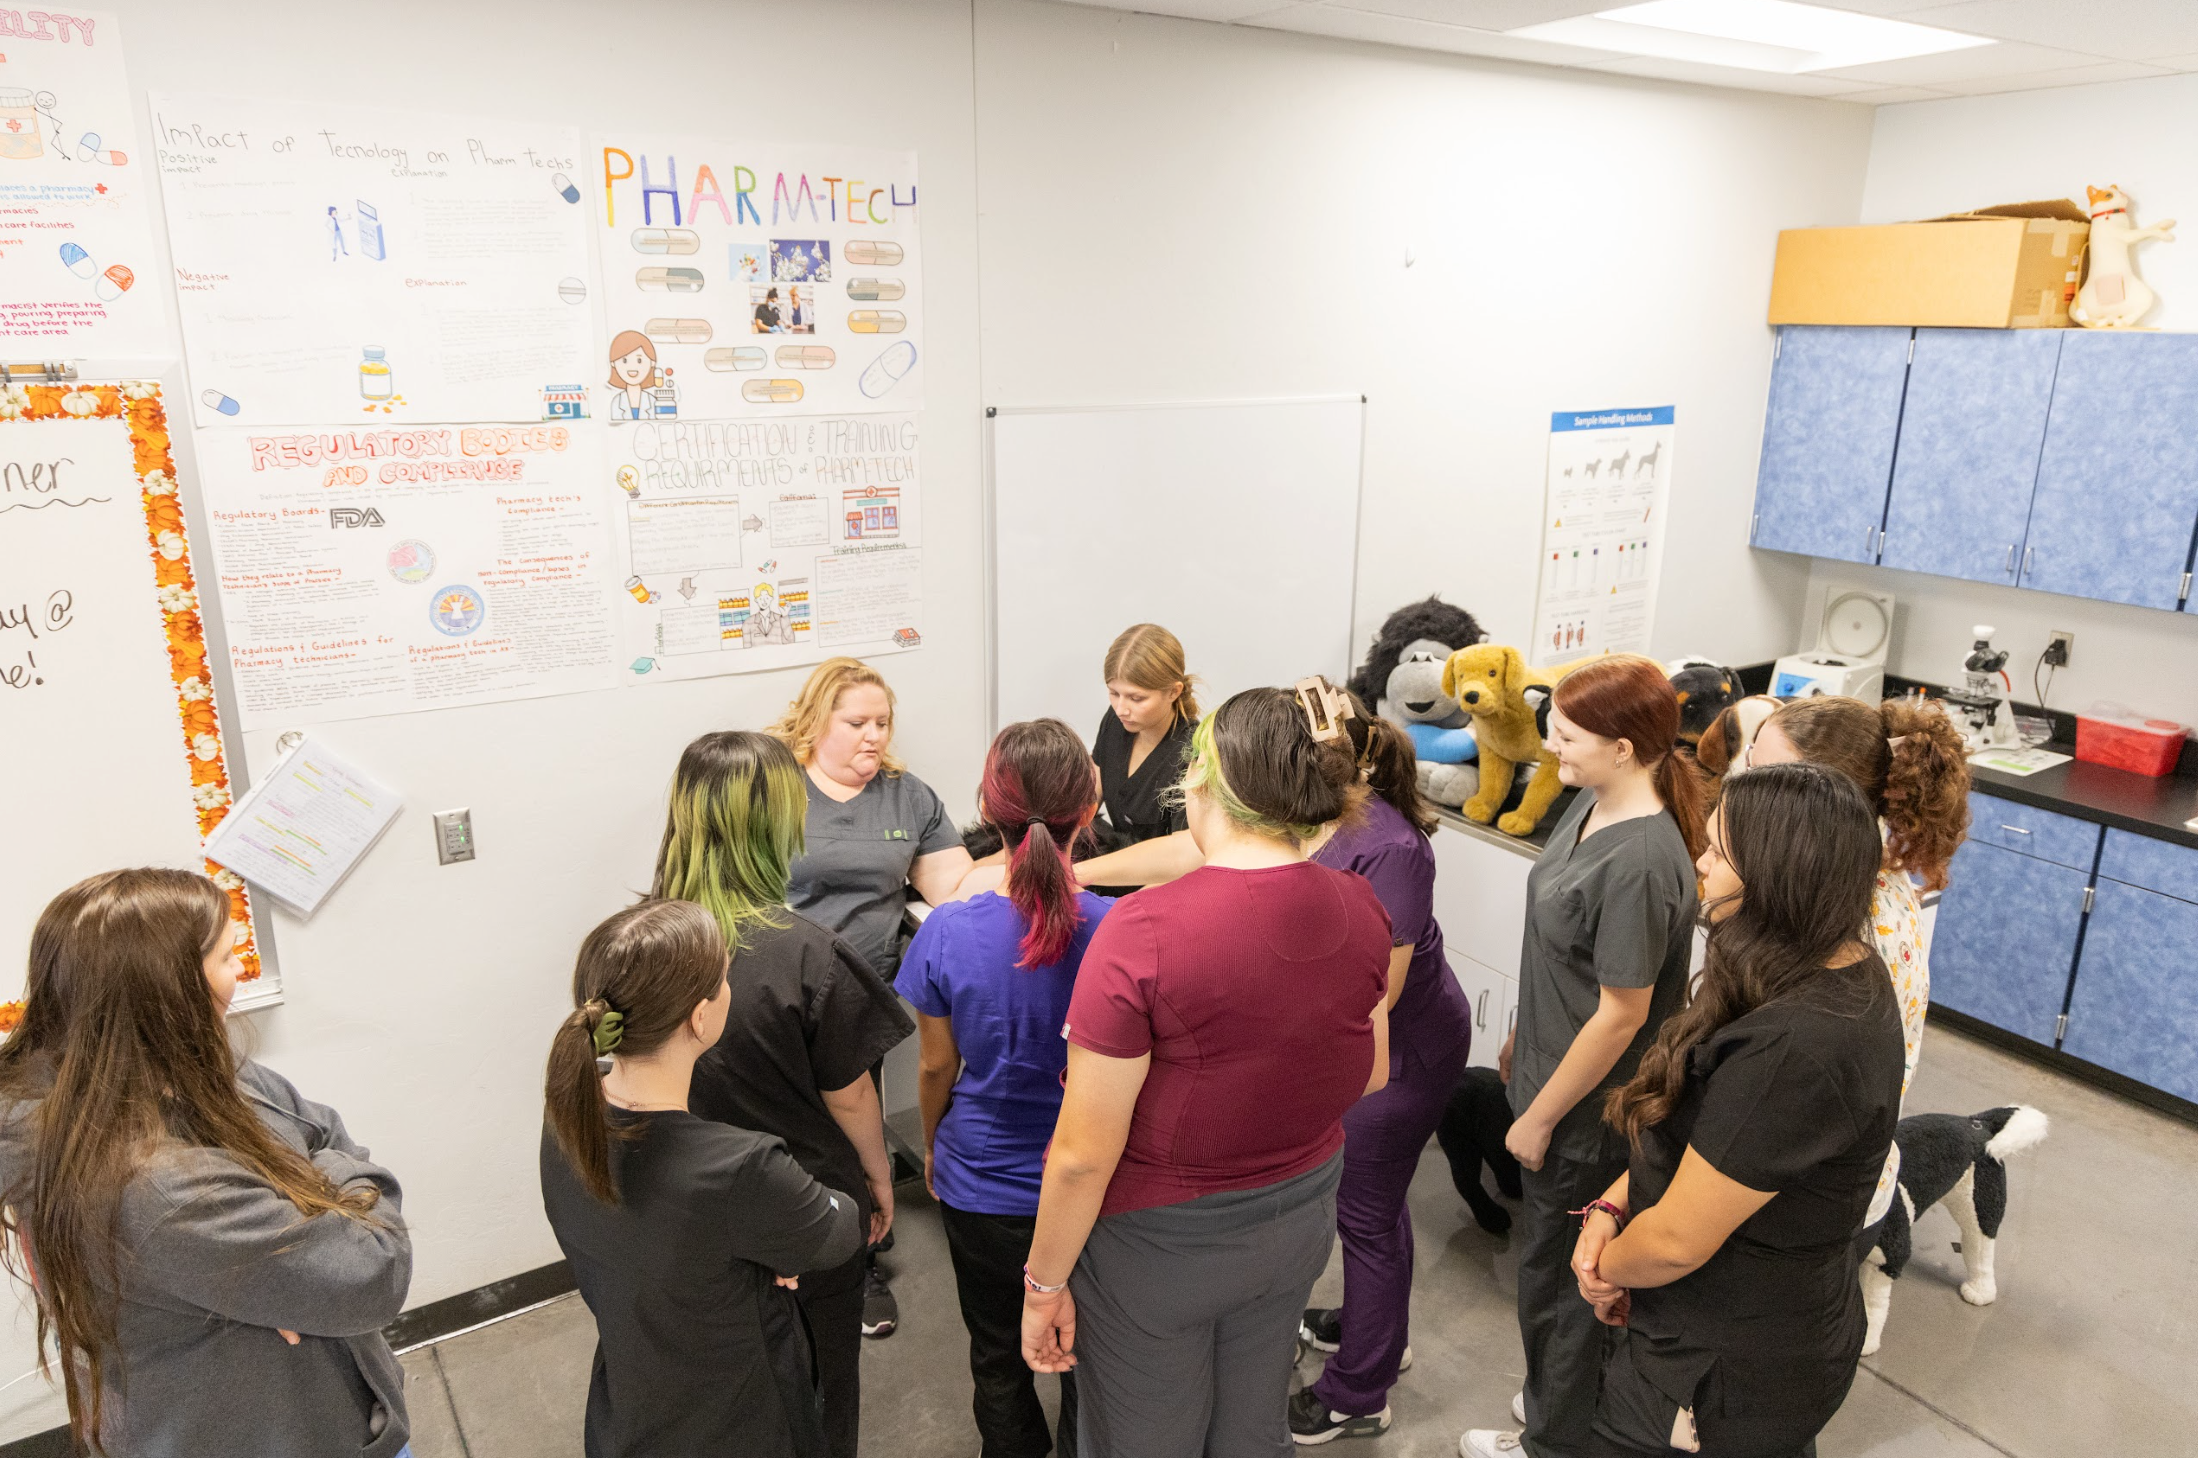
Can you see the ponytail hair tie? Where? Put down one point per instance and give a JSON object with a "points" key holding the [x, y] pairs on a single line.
{"points": [[1034, 820]]}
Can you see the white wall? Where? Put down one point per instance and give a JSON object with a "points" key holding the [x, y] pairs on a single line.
{"points": [[1937, 157]]}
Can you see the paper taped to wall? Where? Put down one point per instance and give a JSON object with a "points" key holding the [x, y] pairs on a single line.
{"points": [[301, 829], [1602, 532]]}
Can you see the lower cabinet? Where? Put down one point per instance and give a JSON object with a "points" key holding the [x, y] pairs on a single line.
{"points": [[2005, 939], [2135, 1008], [1494, 999]]}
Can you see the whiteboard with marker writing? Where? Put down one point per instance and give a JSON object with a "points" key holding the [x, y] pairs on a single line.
{"points": [[1233, 525]]}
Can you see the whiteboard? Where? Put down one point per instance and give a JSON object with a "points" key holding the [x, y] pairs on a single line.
{"points": [[1233, 525]]}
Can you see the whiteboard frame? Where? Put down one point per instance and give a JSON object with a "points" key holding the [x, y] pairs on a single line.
{"points": [[992, 515]]}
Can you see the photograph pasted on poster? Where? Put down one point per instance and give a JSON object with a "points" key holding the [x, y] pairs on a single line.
{"points": [[1602, 532]]}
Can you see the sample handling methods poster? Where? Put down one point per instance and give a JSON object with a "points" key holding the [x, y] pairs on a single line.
{"points": [[76, 231], [745, 279], [1602, 532], [754, 544], [375, 266], [387, 570]]}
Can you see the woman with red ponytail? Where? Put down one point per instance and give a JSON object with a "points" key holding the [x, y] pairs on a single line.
{"points": [[990, 979]]}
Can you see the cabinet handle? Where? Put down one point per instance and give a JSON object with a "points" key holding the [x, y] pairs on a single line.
{"points": [[2014, 830], [2027, 554], [1869, 537], [1511, 1024], [1480, 1010], [2010, 567]]}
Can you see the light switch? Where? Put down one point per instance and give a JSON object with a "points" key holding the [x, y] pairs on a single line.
{"points": [[453, 836]]}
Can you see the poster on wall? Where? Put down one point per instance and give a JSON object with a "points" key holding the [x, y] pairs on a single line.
{"points": [[385, 571], [76, 229], [745, 279], [379, 266], [753, 544], [106, 705], [1602, 532]]}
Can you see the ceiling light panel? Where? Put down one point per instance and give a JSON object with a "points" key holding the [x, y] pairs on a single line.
{"points": [[1758, 35]]}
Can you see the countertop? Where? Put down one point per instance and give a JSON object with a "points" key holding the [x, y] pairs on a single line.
{"points": [[2142, 804]]}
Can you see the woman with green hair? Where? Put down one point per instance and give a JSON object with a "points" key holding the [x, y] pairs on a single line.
{"points": [[809, 1017]]}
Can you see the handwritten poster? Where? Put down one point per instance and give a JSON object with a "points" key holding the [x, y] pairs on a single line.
{"points": [[113, 750], [304, 826], [386, 570], [1602, 532], [76, 232], [754, 544], [376, 266], [745, 279]]}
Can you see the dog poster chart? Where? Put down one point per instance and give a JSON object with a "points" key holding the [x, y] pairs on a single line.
{"points": [[1602, 532], [755, 544], [374, 266], [75, 226]]}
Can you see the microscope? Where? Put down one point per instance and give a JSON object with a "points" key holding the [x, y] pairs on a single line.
{"points": [[1981, 708]]}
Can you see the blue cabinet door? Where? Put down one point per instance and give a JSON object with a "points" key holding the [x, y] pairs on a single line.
{"points": [[1828, 440], [2006, 939], [2135, 1008], [2117, 496], [1970, 434]]}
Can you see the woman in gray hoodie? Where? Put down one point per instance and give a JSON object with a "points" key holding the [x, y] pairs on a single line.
{"points": [[212, 1255]]}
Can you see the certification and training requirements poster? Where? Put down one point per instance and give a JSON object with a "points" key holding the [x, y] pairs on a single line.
{"points": [[343, 264], [1602, 532], [385, 571], [76, 232]]}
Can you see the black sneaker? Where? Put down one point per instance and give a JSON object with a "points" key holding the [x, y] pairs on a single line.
{"points": [[880, 1312], [1322, 1328], [1312, 1422]]}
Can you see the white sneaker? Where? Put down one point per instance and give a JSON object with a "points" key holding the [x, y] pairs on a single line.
{"points": [[1489, 1443], [1404, 1365], [1518, 1408]]}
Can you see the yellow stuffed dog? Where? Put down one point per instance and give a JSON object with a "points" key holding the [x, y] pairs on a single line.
{"points": [[1490, 682]]}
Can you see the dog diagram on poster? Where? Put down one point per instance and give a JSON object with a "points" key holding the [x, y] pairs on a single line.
{"points": [[1602, 532], [762, 544]]}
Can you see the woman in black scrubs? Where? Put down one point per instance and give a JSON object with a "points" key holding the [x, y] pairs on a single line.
{"points": [[1759, 1121], [1146, 734]]}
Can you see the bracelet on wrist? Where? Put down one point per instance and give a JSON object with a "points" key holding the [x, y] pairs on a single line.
{"points": [[1033, 1284], [1618, 1216]]}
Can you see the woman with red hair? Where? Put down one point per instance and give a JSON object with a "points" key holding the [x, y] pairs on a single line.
{"points": [[990, 979], [1609, 938]]}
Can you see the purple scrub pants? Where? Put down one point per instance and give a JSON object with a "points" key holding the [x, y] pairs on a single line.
{"points": [[1384, 1135]]}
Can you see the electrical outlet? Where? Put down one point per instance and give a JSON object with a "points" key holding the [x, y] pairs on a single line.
{"points": [[2057, 648], [453, 836]]}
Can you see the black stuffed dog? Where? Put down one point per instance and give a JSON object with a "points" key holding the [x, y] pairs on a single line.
{"points": [[1472, 1133]]}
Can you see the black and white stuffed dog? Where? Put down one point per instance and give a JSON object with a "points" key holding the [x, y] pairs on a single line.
{"points": [[1472, 1133], [1959, 1163]]}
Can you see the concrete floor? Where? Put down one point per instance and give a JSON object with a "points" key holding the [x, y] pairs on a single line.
{"points": [[2091, 1349]]}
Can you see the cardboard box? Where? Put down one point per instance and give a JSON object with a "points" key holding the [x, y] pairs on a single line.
{"points": [[2010, 267]]}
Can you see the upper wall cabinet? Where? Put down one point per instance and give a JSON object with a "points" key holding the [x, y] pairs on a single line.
{"points": [[2117, 494], [1828, 441], [1970, 436]]}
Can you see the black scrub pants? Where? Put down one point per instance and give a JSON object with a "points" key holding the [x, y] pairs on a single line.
{"points": [[989, 1253], [1564, 1341], [832, 1300]]}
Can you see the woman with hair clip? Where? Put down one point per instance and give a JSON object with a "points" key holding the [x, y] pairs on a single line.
{"points": [[211, 1254], [990, 978], [1909, 763], [808, 1018], [1220, 1028], [1758, 1122], [681, 1231], [1609, 938]]}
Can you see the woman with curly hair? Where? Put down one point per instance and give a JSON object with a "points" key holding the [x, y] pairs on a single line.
{"points": [[1907, 760]]}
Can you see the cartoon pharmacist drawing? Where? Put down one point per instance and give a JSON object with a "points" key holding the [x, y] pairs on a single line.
{"points": [[639, 390]]}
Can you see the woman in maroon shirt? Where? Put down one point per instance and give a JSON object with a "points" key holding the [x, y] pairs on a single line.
{"points": [[1221, 1026]]}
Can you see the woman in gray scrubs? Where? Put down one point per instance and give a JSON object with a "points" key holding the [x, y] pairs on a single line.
{"points": [[1609, 937]]}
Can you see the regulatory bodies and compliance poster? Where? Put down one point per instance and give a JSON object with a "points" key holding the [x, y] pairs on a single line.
{"points": [[338, 264], [1602, 532]]}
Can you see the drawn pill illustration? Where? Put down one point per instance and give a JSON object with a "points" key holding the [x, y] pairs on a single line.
{"points": [[666, 240], [771, 392], [114, 283], [564, 187], [678, 331], [741, 357], [888, 369], [572, 290], [215, 400], [87, 146], [877, 321], [874, 289], [805, 356], [77, 261], [670, 280], [639, 589], [868, 252]]}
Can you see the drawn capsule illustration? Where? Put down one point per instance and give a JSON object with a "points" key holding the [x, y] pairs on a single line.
{"points": [[640, 590], [678, 331], [669, 280], [215, 400], [666, 240], [572, 290], [77, 261], [873, 290], [872, 252], [888, 369], [740, 357], [88, 149], [564, 187], [771, 392], [877, 321], [114, 283], [805, 356]]}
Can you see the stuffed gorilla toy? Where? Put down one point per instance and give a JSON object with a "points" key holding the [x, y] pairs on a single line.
{"points": [[1402, 678]]}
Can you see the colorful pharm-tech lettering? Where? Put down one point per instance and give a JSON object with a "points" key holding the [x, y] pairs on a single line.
{"points": [[653, 183]]}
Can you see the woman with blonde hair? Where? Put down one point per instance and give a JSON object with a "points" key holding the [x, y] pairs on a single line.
{"points": [[1145, 738]]}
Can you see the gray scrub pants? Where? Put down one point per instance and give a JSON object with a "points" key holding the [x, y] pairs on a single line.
{"points": [[1564, 1341], [1187, 1316]]}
